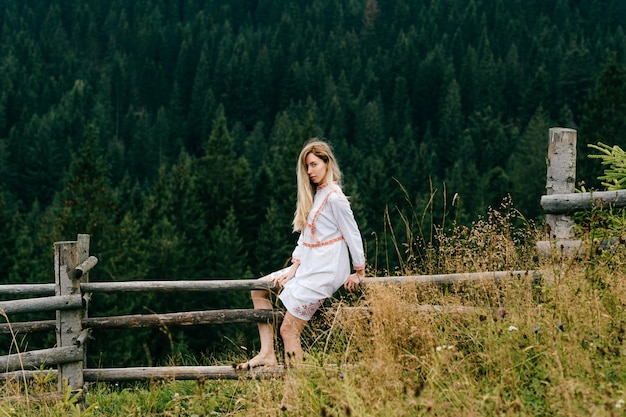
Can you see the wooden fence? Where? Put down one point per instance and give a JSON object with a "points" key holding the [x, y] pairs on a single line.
{"points": [[69, 296], [71, 293], [561, 202]]}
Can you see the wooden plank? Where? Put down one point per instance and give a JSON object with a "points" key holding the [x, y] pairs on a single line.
{"points": [[189, 318], [178, 373], [573, 202], [38, 358], [32, 305]]}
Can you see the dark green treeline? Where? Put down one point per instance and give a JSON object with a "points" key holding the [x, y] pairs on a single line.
{"points": [[169, 130]]}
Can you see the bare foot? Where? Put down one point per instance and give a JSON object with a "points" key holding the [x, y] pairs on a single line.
{"points": [[257, 361]]}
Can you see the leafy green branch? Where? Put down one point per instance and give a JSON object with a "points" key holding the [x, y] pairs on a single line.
{"points": [[614, 158]]}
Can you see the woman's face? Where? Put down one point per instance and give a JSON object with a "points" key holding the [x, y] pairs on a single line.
{"points": [[316, 168]]}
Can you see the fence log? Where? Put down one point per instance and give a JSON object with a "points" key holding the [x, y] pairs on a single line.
{"points": [[561, 178], [38, 358], [172, 286], [255, 284], [62, 302], [26, 374], [85, 267], [27, 289], [178, 373], [28, 327], [450, 278], [189, 318], [570, 203], [68, 326]]}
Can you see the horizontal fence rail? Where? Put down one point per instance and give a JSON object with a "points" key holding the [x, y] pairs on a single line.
{"points": [[34, 305], [188, 318], [175, 372], [573, 202], [175, 286], [241, 284], [230, 315], [42, 357], [27, 289]]}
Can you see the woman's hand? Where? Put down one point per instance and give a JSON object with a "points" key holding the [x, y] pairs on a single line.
{"points": [[353, 281], [281, 280]]}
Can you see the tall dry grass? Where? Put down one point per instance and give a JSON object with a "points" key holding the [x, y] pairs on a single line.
{"points": [[549, 342], [546, 343]]}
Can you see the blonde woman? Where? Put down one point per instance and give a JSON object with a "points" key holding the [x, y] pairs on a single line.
{"points": [[329, 239]]}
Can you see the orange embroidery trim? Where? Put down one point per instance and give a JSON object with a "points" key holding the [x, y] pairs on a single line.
{"points": [[318, 244], [317, 213]]}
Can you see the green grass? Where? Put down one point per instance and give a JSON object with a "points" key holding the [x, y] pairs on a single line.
{"points": [[526, 347]]}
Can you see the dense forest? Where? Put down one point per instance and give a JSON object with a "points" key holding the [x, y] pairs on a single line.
{"points": [[169, 130]]}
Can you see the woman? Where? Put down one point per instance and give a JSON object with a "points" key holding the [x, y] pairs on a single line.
{"points": [[329, 236]]}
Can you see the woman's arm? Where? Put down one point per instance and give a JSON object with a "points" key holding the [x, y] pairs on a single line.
{"points": [[350, 231]]}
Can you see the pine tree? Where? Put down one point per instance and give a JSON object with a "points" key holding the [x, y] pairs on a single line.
{"points": [[602, 120], [223, 181], [272, 250], [7, 241], [450, 125], [528, 166], [87, 204]]}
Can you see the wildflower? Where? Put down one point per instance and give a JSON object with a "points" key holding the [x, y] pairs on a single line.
{"points": [[512, 328], [560, 326], [444, 347], [536, 329], [502, 313], [619, 403]]}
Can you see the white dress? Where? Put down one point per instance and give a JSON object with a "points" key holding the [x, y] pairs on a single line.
{"points": [[324, 248]]}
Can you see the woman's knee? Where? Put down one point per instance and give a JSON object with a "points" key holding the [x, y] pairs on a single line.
{"points": [[259, 294], [291, 328]]}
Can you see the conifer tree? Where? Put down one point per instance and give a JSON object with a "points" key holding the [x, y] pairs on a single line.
{"points": [[602, 119], [7, 241], [528, 166], [86, 203], [223, 181]]}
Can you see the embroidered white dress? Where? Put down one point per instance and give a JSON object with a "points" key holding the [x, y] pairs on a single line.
{"points": [[324, 248]]}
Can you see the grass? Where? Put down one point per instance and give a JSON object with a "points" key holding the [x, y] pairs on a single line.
{"points": [[552, 346]]}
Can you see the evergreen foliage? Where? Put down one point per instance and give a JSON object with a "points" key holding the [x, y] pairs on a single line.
{"points": [[169, 131]]}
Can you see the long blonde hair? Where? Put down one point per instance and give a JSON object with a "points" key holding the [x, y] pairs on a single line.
{"points": [[306, 188]]}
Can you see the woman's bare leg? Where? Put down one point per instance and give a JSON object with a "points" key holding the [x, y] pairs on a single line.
{"points": [[290, 331], [266, 355]]}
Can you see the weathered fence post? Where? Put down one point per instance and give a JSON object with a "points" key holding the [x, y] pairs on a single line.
{"points": [[561, 179], [81, 276], [67, 256]]}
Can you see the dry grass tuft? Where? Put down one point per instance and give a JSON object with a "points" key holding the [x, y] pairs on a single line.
{"points": [[551, 343], [548, 344]]}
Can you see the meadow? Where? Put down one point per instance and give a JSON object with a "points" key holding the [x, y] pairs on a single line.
{"points": [[550, 342]]}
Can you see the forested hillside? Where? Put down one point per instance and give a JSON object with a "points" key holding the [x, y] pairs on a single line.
{"points": [[168, 131]]}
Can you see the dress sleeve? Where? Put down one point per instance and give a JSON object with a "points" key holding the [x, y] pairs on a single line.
{"points": [[349, 229], [295, 256]]}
